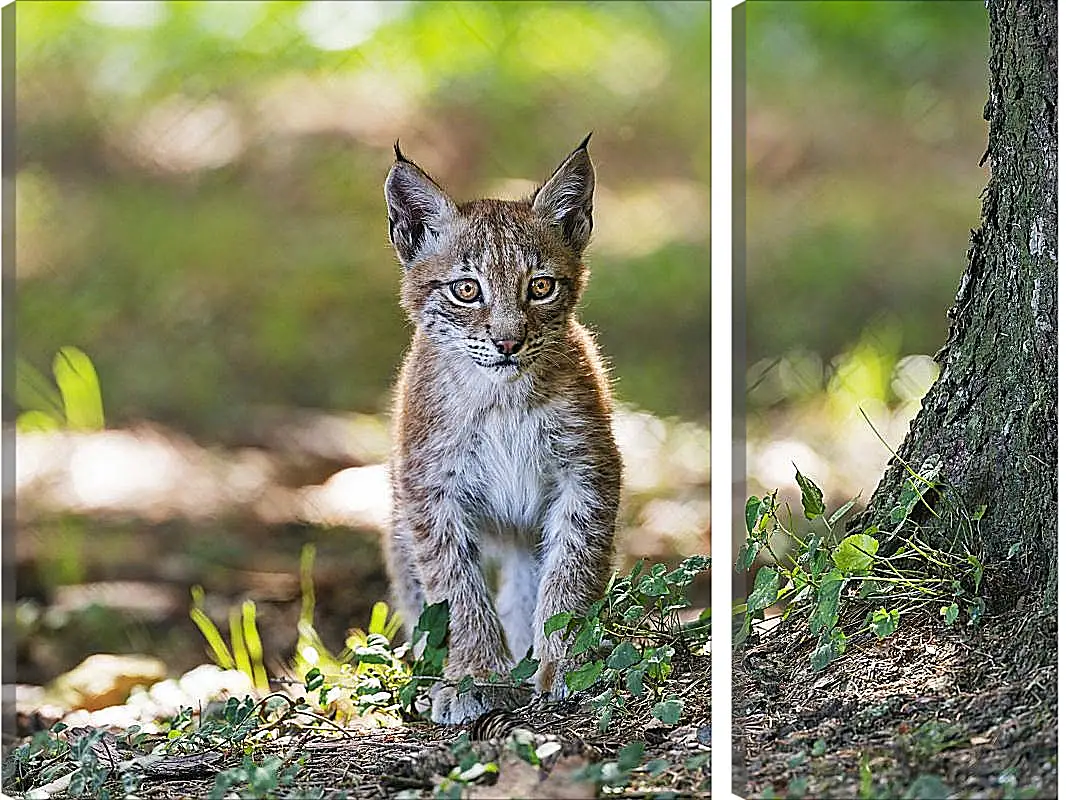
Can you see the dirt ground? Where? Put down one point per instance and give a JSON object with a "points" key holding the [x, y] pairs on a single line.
{"points": [[929, 712], [414, 759]]}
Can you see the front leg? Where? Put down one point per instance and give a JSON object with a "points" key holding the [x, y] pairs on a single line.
{"points": [[449, 566], [578, 548]]}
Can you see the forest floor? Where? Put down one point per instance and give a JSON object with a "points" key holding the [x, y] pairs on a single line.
{"points": [[929, 712], [546, 751]]}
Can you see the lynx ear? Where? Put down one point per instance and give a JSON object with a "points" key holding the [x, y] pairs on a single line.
{"points": [[565, 199], [417, 207]]}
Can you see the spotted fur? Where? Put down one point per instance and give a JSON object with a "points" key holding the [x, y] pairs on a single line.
{"points": [[503, 450]]}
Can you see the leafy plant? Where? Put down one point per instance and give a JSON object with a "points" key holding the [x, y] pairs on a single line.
{"points": [[39, 761], [895, 570], [616, 772], [469, 770], [627, 638], [246, 653], [366, 676], [254, 778], [73, 402]]}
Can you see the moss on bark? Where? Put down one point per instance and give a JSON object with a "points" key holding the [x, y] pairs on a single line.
{"points": [[991, 416]]}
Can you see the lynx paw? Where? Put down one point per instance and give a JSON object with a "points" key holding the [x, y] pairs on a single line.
{"points": [[449, 707]]}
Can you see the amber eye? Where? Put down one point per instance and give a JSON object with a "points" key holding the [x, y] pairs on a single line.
{"points": [[541, 287], [465, 290]]}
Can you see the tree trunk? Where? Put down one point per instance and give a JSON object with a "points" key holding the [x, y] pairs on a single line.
{"points": [[991, 417]]}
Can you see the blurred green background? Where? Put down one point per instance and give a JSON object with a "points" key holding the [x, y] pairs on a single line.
{"points": [[863, 134], [199, 208], [199, 187]]}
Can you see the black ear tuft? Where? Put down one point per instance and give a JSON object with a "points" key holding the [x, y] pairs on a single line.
{"points": [[565, 199], [417, 208]]}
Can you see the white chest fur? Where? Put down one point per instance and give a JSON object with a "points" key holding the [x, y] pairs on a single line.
{"points": [[511, 470]]}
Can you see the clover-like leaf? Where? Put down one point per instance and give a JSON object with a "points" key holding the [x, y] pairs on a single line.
{"points": [[668, 711], [950, 613], [883, 622]]}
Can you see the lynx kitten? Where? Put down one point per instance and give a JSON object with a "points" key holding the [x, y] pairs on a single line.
{"points": [[503, 451]]}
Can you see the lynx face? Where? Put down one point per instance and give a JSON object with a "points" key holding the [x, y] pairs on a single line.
{"points": [[493, 281]]}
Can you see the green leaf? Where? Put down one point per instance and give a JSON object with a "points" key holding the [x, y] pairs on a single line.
{"points": [[637, 569], [34, 392], [764, 592], [653, 586], [624, 655], [669, 711], [915, 487], [524, 669], [635, 681], [866, 778], [407, 693], [605, 717], [926, 787], [696, 564], [556, 622], [884, 623], [840, 512], [583, 677], [219, 648], [630, 755], [313, 680], [813, 505], [828, 649], [632, 614], [819, 563], [950, 613], [825, 608], [657, 766], [752, 509], [589, 636], [868, 587], [79, 388], [254, 644], [698, 761], [37, 422], [855, 553], [978, 572], [434, 622], [743, 632], [465, 685], [748, 551]]}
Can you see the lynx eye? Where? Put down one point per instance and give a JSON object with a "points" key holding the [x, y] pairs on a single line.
{"points": [[542, 287], [465, 290]]}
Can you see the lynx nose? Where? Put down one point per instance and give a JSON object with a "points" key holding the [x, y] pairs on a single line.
{"points": [[508, 346]]}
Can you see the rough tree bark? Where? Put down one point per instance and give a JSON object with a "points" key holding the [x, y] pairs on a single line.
{"points": [[991, 415]]}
